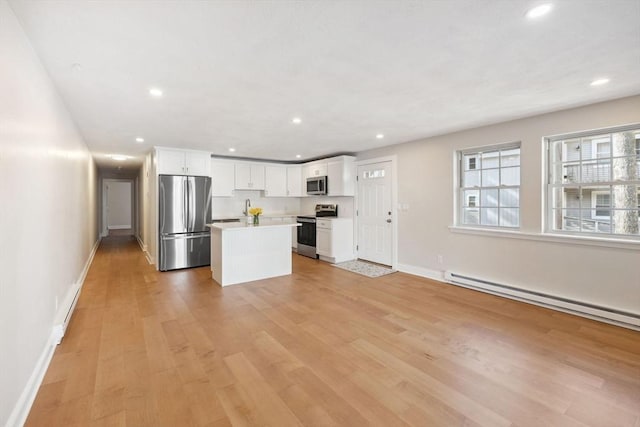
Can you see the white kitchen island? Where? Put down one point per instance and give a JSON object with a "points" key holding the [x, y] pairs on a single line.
{"points": [[242, 252]]}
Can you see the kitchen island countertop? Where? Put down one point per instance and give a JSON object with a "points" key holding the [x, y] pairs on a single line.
{"points": [[264, 222]]}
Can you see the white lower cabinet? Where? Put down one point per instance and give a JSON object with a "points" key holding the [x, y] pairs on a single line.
{"points": [[294, 238], [323, 241], [334, 239]]}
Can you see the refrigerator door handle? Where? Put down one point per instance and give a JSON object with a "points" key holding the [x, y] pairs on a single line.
{"points": [[185, 202], [189, 196], [191, 201]]}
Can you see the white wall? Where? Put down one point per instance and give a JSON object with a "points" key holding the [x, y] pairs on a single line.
{"points": [[144, 209], [119, 204], [598, 275], [47, 216]]}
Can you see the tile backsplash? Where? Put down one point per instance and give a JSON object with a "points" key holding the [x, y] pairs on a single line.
{"points": [[233, 206]]}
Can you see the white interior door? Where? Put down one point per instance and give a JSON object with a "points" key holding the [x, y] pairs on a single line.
{"points": [[375, 213]]}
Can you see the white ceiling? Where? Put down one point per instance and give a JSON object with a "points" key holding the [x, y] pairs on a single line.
{"points": [[235, 73]]}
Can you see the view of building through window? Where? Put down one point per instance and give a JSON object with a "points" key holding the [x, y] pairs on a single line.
{"points": [[594, 183], [490, 186]]}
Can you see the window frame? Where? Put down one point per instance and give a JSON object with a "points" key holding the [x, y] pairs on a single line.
{"points": [[595, 154], [594, 204], [460, 198], [549, 186], [475, 164]]}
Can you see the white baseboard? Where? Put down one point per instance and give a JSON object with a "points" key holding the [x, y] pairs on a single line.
{"points": [[141, 243], [147, 255], [553, 302], [118, 227], [422, 272], [23, 405], [63, 316]]}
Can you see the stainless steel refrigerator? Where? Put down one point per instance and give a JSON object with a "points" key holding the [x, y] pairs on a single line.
{"points": [[185, 208]]}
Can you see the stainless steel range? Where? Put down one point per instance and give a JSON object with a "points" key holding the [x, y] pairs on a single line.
{"points": [[307, 232]]}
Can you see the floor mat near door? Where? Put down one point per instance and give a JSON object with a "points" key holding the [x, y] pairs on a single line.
{"points": [[365, 268]]}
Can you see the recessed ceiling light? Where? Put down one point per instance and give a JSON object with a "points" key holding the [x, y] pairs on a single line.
{"points": [[138, 139], [154, 91], [379, 136], [232, 150], [298, 156], [119, 157], [296, 120], [539, 11], [600, 82]]}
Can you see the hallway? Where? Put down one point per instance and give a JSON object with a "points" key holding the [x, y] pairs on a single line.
{"points": [[325, 347]]}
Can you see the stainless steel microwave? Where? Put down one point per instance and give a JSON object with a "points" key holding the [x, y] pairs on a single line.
{"points": [[317, 185]]}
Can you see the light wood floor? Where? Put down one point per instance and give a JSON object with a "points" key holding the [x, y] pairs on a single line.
{"points": [[326, 347]]}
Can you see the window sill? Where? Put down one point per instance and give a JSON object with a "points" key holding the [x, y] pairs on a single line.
{"points": [[549, 237]]}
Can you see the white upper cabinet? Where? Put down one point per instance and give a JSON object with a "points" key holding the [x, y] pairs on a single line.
{"points": [[171, 162], [183, 162], [249, 176], [340, 173], [294, 181], [275, 182], [222, 178], [198, 163], [341, 176], [314, 169]]}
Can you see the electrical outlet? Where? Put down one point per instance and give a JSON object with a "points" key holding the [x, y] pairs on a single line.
{"points": [[440, 259]]}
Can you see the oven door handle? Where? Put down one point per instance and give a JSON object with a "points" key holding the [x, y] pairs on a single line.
{"points": [[306, 220]]}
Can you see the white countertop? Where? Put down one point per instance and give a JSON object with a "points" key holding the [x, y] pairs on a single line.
{"points": [[289, 215], [264, 223]]}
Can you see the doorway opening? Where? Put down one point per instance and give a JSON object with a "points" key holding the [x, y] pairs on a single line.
{"points": [[118, 203]]}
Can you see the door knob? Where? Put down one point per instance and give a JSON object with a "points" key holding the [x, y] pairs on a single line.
{"points": [[389, 221]]}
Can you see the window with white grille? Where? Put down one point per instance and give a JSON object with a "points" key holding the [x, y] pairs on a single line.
{"points": [[489, 190], [593, 183]]}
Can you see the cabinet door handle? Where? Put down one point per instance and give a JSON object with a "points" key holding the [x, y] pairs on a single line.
{"points": [[389, 221]]}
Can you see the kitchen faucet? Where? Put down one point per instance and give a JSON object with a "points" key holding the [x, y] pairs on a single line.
{"points": [[247, 205]]}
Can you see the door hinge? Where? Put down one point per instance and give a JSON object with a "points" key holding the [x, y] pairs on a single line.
{"points": [[357, 212], [357, 247]]}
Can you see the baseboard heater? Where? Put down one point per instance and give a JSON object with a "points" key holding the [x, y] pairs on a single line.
{"points": [[579, 308], [60, 328]]}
